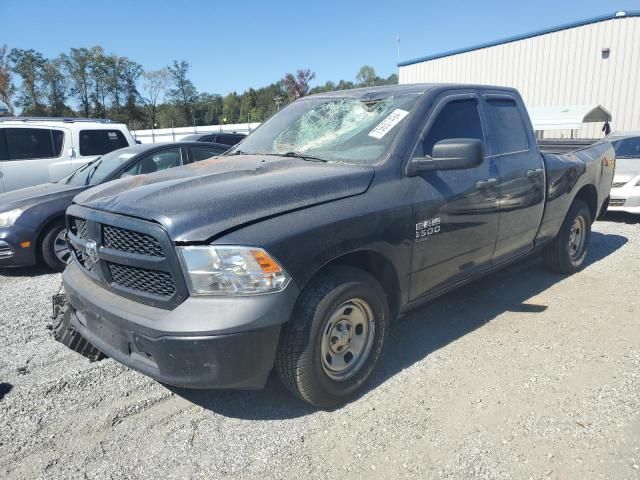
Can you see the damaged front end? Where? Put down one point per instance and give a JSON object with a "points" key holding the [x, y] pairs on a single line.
{"points": [[63, 332]]}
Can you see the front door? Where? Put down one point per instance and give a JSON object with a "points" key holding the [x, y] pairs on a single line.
{"points": [[520, 172], [455, 211]]}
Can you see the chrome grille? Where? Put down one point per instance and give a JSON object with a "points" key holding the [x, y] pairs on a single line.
{"points": [[618, 184], [5, 250], [130, 241], [142, 280], [616, 202]]}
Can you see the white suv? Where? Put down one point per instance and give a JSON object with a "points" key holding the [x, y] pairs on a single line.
{"points": [[41, 150]]}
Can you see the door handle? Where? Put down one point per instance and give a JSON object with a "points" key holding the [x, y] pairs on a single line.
{"points": [[480, 184], [534, 173]]}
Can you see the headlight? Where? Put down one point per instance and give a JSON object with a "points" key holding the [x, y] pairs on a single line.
{"points": [[7, 219], [231, 270]]}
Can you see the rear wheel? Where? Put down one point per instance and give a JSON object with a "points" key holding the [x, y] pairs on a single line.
{"points": [[334, 338], [568, 251], [55, 251]]}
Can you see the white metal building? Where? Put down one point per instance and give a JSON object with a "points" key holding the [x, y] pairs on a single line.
{"points": [[591, 62]]}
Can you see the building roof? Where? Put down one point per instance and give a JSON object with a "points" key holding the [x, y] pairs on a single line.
{"points": [[515, 38], [570, 117]]}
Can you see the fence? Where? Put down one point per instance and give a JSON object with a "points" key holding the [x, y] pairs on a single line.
{"points": [[175, 134]]}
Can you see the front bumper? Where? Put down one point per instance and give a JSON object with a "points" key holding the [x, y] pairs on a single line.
{"points": [[205, 342], [11, 253]]}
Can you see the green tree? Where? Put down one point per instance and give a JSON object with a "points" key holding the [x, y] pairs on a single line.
{"points": [[231, 108], [56, 86], [366, 76], [7, 87], [183, 92], [98, 70], [78, 67], [131, 73], [29, 65], [209, 108]]}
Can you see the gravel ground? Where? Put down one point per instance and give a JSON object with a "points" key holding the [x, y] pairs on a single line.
{"points": [[525, 374]]}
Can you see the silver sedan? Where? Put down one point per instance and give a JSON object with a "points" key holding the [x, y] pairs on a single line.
{"points": [[625, 192]]}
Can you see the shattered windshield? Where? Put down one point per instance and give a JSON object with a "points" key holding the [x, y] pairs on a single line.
{"points": [[347, 129]]}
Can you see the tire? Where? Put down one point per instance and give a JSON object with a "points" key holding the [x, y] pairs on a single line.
{"points": [[51, 247], [334, 338], [568, 250]]}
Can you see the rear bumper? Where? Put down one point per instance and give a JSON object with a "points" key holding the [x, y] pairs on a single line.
{"points": [[626, 199], [11, 253], [203, 343]]}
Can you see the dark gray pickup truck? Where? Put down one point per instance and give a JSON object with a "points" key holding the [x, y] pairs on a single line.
{"points": [[298, 247]]}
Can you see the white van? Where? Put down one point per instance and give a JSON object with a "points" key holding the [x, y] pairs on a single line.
{"points": [[41, 150]]}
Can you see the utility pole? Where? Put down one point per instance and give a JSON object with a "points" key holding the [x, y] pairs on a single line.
{"points": [[278, 101]]}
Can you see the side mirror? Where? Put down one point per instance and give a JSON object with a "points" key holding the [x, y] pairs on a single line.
{"points": [[449, 154]]}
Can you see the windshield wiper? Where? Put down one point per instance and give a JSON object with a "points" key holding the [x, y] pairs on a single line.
{"points": [[93, 170], [302, 156]]}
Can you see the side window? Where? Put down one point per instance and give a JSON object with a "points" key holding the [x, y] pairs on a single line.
{"points": [[202, 153], [628, 147], [3, 147], [169, 158], [504, 117], [29, 143], [458, 119], [99, 142], [58, 141]]}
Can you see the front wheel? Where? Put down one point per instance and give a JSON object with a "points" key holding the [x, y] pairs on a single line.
{"points": [[55, 251], [568, 251], [334, 338]]}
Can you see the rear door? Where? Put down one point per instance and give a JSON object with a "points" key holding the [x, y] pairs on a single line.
{"points": [[521, 173], [455, 211], [95, 142], [35, 155]]}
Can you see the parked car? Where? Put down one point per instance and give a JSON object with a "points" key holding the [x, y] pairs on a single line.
{"points": [[625, 193], [41, 150], [32, 219], [228, 138], [338, 214]]}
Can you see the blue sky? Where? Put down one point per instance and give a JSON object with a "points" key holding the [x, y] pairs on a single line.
{"points": [[236, 45]]}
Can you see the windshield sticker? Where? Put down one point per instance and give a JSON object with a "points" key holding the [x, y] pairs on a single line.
{"points": [[388, 123]]}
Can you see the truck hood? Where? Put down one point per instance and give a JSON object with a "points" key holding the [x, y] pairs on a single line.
{"points": [[200, 201], [38, 195]]}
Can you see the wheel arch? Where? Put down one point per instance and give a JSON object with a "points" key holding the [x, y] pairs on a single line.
{"points": [[378, 266], [589, 195]]}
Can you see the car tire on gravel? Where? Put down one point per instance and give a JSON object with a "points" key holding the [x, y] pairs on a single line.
{"points": [[55, 251], [568, 250], [335, 336]]}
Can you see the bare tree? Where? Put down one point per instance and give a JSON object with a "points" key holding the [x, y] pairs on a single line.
{"points": [[298, 85], [154, 85]]}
